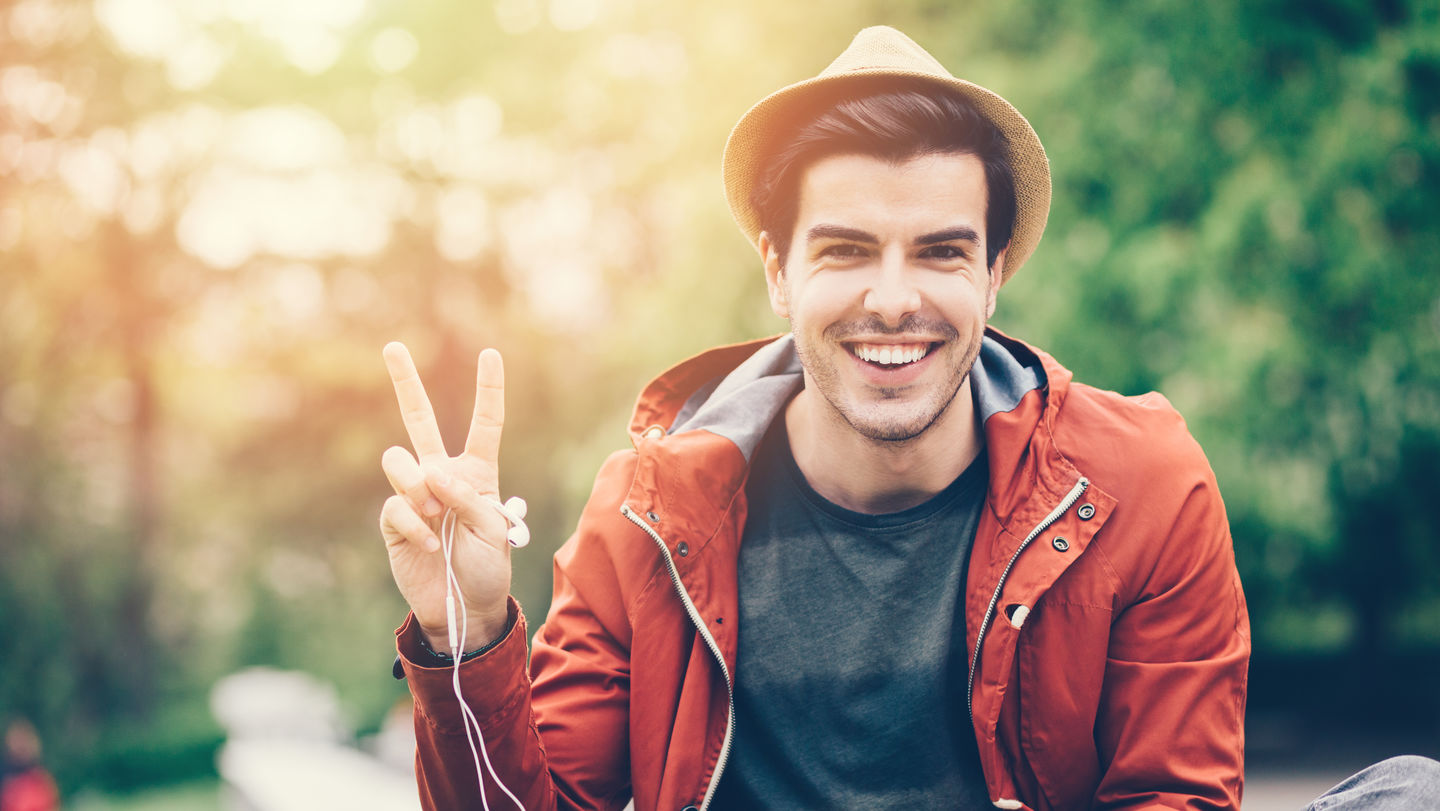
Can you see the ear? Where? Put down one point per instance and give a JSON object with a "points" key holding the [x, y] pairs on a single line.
{"points": [[997, 278], [774, 276]]}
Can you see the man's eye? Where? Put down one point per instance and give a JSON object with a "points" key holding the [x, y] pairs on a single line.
{"points": [[842, 251], [943, 252]]}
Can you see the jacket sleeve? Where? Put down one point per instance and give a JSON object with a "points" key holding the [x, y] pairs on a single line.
{"points": [[497, 690], [1170, 726], [557, 732], [557, 740]]}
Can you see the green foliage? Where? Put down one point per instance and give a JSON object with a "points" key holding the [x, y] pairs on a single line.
{"points": [[191, 796], [177, 743], [1248, 226]]}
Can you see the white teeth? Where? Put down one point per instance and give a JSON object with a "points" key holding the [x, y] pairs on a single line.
{"points": [[890, 355]]}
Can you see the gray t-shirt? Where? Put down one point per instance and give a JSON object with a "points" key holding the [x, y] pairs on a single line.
{"points": [[851, 670]]}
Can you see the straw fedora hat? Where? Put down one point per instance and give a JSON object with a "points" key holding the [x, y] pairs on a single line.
{"points": [[877, 58]]}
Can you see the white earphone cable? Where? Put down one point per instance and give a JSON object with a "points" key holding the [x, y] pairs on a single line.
{"points": [[514, 512]]}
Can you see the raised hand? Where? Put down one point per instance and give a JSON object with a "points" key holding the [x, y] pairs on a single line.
{"points": [[429, 482]]}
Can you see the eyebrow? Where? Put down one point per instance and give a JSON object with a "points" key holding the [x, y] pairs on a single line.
{"points": [[840, 232], [961, 233]]}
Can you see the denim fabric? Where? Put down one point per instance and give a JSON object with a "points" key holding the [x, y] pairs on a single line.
{"points": [[1400, 783]]}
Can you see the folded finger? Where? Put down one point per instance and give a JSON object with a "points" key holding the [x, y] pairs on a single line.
{"points": [[415, 407], [399, 523], [408, 480], [470, 507]]}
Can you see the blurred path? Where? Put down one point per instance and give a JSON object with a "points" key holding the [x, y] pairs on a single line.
{"points": [[287, 749], [300, 776]]}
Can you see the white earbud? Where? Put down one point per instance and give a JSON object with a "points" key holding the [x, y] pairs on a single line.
{"points": [[514, 510]]}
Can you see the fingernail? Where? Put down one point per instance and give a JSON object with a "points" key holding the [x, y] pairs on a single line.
{"points": [[432, 544], [433, 507]]}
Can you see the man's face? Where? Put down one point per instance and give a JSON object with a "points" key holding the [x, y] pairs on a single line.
{"points": [[886, 287]]}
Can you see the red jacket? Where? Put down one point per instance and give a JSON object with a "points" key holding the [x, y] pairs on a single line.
{"points": [[1113, 636]]}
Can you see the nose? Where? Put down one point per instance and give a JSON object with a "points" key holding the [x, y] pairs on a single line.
{"points": [[892, 294]]}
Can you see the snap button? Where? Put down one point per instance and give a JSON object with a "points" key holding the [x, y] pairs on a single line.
{"points": [[652, 516], [654, 432], [682, 549], [1060, 544], [1086, 512]]}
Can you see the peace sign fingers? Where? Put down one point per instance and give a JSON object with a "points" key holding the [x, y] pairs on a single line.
{"points": [[415, 407], [478, 562], [483, 442]]}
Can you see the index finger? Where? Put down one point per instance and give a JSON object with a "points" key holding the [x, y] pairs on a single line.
{"points": [[415, 407]]}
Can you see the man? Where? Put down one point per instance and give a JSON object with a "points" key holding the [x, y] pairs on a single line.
{"points": [[893, 559]]}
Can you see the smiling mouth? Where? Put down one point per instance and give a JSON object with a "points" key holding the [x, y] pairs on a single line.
{"points": [[890, 355]]}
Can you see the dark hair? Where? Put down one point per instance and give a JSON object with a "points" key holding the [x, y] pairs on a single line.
{"points": [[893, 124]]}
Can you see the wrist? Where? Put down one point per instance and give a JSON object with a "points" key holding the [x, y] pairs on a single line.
{"points": [[441, 658], [482, 631]]}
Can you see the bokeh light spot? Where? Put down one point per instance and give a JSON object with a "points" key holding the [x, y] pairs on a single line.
{"points": [[573, 15], [392, 50], [462, 220], [517, 16], [284, 139]]}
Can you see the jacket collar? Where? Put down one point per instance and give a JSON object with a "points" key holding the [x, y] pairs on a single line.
{"points": [[697, 425], [737, 391]]}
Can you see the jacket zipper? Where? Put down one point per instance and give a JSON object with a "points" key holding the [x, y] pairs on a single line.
{"points": [[1065, 504], [709, 640]]}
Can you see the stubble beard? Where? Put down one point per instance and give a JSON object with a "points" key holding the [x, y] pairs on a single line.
{"points": [[891, 429]]}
